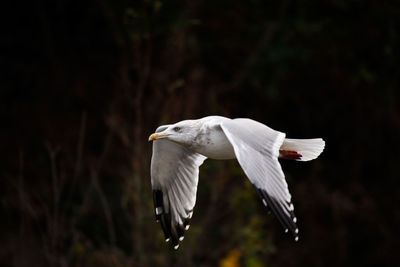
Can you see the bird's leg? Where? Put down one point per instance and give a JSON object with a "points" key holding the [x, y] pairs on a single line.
{"points": [[289, 154]]}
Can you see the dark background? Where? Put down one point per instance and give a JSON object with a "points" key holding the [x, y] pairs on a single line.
{"points": [[84, 83]]}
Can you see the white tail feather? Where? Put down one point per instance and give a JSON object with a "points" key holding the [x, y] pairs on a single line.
{"points": [[308, 148]]}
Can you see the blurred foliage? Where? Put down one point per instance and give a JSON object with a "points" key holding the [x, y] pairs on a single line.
{"points": [[85, 83]]}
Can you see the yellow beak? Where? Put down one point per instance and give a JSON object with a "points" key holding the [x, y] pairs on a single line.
{"points": [[156, 136]]}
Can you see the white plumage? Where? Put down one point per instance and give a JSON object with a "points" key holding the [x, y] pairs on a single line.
{"points": [[179, 149]]}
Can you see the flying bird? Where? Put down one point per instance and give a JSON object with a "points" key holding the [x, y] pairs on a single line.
{"points": [[179, 149]]}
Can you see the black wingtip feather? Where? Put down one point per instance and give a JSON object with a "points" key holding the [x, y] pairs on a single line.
{"points": [[175, 233], [274, 205], [165, 222], [158, 203], [186, 223], [261, 195], [174, 237], [180, 230]]}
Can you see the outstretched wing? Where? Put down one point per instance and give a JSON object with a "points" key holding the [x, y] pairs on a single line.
{"points": [[256, 147], [174, 177]]}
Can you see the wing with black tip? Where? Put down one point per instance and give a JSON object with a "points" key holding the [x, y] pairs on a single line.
{"points": [[174, 178], [256, 147]]}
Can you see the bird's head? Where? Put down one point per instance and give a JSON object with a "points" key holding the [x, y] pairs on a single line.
{"points": [[182, 132]]}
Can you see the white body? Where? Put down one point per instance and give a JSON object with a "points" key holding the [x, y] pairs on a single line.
{"points": [[211, 140]]}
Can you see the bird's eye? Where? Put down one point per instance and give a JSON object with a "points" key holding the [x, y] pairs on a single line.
{"points": [[177, 129]]}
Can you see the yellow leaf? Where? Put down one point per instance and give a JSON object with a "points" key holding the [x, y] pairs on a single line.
{"points": [[232, 259]]}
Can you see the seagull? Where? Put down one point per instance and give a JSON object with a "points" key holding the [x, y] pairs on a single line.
{"points": [[179, 149]]}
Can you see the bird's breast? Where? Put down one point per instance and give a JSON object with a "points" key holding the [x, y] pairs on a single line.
{"points": [[214, 144]]}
